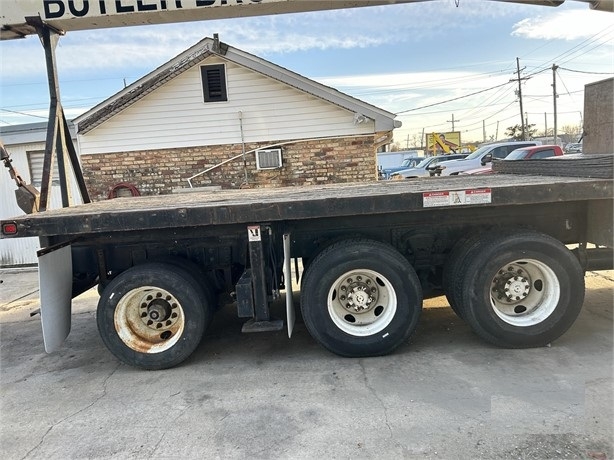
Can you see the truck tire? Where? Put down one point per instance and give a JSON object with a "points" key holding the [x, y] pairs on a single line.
{"points": [[361, 298], [453, 267], [522, 290], [198, 275], [153, 316]]}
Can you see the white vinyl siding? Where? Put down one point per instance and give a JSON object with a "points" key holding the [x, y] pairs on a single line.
{"points": [[22, 251], [175, 116]]}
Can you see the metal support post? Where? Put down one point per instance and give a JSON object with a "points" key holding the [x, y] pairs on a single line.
{"points": [[262, 318], [58, 143]]}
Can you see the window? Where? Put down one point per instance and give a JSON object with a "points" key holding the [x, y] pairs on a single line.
{"points": [[501, 152], [543, 154], [214, 82]]}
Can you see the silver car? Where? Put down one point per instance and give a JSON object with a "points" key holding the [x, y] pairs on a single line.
{"points": [[420, 170]]}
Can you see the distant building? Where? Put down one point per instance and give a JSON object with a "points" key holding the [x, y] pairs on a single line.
{"points": [[26, 144]]}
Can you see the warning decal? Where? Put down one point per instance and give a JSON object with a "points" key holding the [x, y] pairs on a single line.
{"points": [[456, 198]]}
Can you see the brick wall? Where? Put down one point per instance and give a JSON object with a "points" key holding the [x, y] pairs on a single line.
{"points": [[158, 172]]}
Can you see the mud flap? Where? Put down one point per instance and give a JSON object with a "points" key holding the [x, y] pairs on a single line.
{"points": [[55, 283], [290, 315]]}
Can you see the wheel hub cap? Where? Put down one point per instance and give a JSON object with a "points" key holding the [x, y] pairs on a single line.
{"points": [[159, 311], [517, 288], [511, 284], [359, 295]]}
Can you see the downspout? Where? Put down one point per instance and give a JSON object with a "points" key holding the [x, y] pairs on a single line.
{"points": [[243, 146]]}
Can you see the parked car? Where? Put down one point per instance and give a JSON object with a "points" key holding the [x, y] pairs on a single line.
{"points": [[411, 162], [480, 157], [573, 147], [535, 153], [420, 170], [528, 153]]}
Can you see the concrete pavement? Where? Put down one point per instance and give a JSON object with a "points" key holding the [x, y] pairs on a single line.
{"points": [[445, 394]]}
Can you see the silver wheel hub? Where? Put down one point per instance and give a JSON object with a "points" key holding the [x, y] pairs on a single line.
{"points": [[362, 302], [517, 288], [159, 311], [511, 284], [525, 292], [358, 295]]}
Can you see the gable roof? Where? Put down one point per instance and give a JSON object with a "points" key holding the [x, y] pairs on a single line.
{"points": [[384, 120]]}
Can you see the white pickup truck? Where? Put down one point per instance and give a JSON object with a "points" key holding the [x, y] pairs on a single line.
{"points": [[480, 157]]}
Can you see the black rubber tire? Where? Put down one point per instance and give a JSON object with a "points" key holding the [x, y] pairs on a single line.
{"points": [[496, 253], [342, 258], [199, 276], [451, 277], [195, 314], [101, 287]]}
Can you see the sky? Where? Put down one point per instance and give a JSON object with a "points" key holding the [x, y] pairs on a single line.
{"points": [[429, 63]]}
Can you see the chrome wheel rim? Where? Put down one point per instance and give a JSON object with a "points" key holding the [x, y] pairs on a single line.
{"points": [[525, 292], [362, 302]]}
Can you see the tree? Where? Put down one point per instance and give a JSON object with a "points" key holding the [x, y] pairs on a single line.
{"points": [[515, 132], [548, 132], [395, 147], [570, 133], [417, 141]]}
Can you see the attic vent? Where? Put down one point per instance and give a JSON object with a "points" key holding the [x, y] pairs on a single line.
{"points": [[214, 82], [268, 159], [36, 161]]}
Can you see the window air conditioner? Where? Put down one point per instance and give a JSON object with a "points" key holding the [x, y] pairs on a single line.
{"points": [[268, 159]]}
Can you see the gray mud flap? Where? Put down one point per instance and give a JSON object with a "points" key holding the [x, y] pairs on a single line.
{"points": [[55, 283]]}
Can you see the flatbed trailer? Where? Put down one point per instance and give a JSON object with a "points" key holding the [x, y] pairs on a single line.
{"points": [[495, 245]]}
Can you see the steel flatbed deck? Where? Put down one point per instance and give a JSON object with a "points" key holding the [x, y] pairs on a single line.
{"points": [[210, 208]]}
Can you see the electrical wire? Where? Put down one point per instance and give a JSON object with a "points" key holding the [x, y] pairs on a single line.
{"points": [[23, 113], [586, 72], [453, 99]]}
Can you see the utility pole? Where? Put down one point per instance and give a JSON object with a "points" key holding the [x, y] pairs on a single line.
{"points": [[545, 125], [452, 121], [554, 96], [524, 137], [484, 130]]}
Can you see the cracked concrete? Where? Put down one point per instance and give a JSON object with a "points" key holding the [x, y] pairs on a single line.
{"points": [[445, 394]]}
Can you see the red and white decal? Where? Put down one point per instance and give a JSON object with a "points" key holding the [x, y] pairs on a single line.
{"points": [[456, 198]]}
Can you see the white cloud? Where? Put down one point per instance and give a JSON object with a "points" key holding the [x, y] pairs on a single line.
{"points": [[131, 52], [339, 29], [567, 25]]}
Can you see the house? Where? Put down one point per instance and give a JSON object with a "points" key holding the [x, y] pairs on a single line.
{"points": [[26, 145], [218, 116]]}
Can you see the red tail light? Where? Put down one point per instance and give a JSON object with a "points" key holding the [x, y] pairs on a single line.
{"points": [[9, 228]]}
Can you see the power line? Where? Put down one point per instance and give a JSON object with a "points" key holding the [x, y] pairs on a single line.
{"points": [[448, 110], [453, 99], [589, 41], [584, 71], [23, 113]]}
